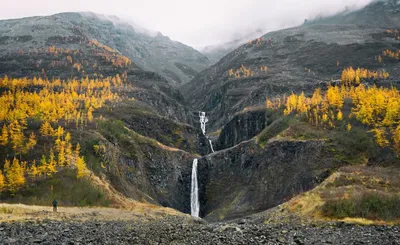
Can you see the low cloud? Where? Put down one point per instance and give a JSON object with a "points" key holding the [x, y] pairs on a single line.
{"points": [[196, 23]]}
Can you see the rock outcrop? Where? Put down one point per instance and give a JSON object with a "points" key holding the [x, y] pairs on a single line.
{"points": [[243, 126], [247, 178]]}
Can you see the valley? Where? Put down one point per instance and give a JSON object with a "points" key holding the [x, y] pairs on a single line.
{"points": [[290, 138]]}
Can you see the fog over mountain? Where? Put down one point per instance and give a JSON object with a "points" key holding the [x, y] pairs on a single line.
{"points": [[196, 23]]}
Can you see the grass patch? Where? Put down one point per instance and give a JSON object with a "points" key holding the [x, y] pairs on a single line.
{"points": [[6, 210], [275, 128], [65, 187], [304, 131], [354, 147], [372, 206], [113, 128], [359, 194]]}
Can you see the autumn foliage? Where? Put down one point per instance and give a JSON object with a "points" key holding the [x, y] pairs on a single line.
{"points": [[244, 72], [53, 104], [352, 76], [376, 107]]}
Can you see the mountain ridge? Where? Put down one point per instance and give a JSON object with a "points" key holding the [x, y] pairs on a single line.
{"points": [[173, 60]]}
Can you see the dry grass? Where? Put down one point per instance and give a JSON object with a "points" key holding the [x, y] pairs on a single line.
{"points": [[21, 212], [252, 108], [121, 202], [348, 184], [122, 208]]}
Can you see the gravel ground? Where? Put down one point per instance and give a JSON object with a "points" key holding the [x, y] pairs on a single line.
{"points": [[178, 230]]}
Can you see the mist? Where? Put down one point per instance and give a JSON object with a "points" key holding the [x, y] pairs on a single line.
{"points": [[196, 23]]}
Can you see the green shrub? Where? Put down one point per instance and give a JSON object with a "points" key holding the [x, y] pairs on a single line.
{"points": [[112, 127], [370, 206], [274, 129], [354, 145]]}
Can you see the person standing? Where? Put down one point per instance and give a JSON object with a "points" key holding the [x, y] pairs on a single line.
{"points": [[55, 202]]}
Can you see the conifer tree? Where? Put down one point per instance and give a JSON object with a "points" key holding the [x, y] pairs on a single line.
{"points": [[348, 128], [61, 154], [4, 136], [339, 116], [80, 167], [16, 135], [33, 170], [15, 176], [43, 168], [51, 168], [31, 142], [46, 129], [2, 181]]}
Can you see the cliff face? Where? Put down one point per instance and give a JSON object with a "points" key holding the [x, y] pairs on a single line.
{"points": [[140, 167], [246, 179], [243, 126]]}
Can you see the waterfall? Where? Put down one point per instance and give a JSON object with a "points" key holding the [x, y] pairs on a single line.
{"points": [[203, 121], [212, 148], [194, 193]]}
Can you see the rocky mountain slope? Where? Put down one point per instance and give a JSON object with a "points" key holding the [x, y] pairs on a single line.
{"points": [[175, 61], [296, 59], [215, 52], [142, 141]]}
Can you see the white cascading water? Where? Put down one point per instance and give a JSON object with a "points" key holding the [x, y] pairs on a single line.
{"points": [[203, 121], [194, 193], [212, 148]]}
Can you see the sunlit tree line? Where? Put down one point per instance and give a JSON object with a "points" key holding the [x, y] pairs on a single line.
{"points": [[244, 72], [391, 54], [76, 59], [51, 103], [352, 76], [111, 55], [376, 107]]}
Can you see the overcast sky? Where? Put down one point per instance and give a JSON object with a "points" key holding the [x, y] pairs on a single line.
{"points": [[194, 22]]}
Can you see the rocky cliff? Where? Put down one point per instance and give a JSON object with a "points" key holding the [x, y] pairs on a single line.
{"points": [[247, 179], [243, 126]]}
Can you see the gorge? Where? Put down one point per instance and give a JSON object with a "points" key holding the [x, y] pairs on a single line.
{"points": [[289, 138]]}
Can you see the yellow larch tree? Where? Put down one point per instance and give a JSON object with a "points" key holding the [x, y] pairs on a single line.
{"points": [[51, 168], [316, 97], [334, 97], [15, 176], [301, 103], [16, 136], [90, 114], [2, 181], [46, 129], [33, 170], [44, 166], [291, 104], [339, 116], [77, 150], [4, 136], [80, 167], [380, 137], [31, 142], [396, 139], [61, 154]]}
